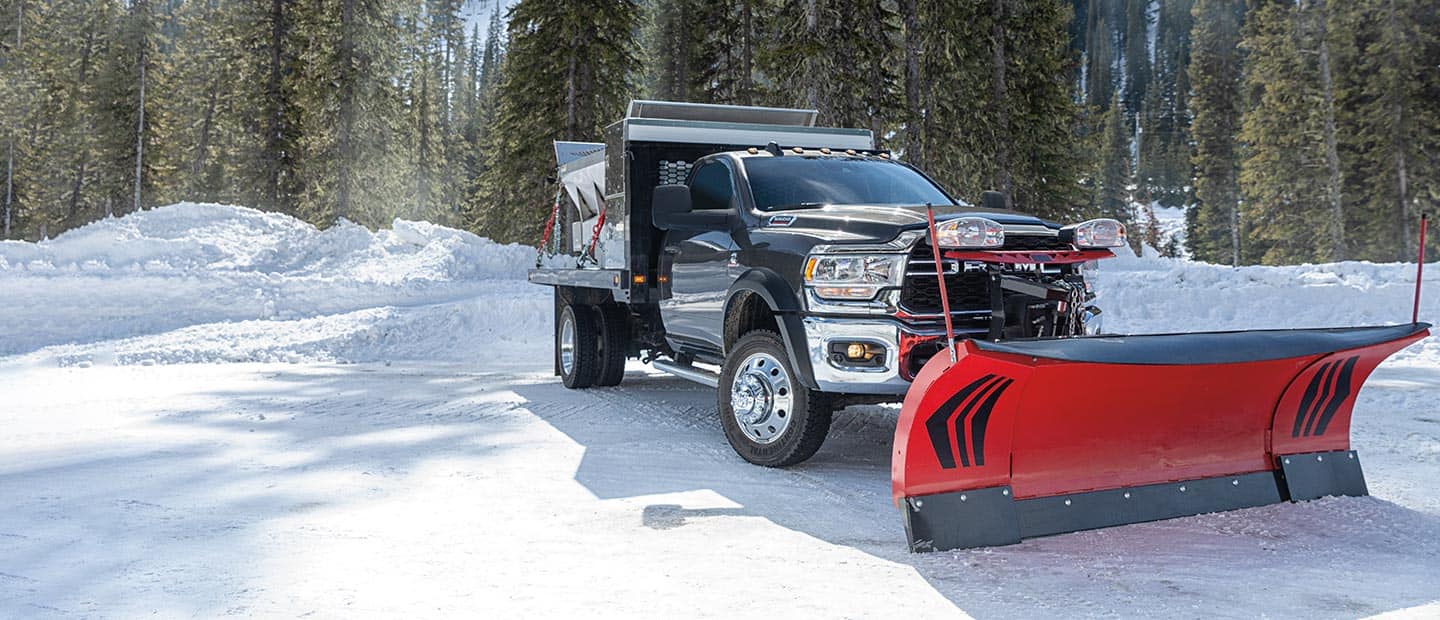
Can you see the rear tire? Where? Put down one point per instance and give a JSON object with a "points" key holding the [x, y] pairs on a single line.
{"points": [[613, 342], [575, 346], [779, 421]]}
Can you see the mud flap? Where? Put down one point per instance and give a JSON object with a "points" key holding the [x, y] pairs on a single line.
{"points": [[1033, 438]]}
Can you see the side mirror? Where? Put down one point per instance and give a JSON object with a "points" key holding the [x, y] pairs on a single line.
{"points": [[668, 202], [671, 209]]}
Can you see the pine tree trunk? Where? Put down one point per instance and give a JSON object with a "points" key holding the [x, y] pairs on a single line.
{"points": [[812, 86], [422, 173], [78, 184], [445, 73], [275, 128], [9, 185], [1332, 156], [914, 150], [347, 107], [1399, 144], [570, 87], [202, 147], [140, 132], [1234, 230], [682, 81], [747, 53], [10, 157], [998, 99]]}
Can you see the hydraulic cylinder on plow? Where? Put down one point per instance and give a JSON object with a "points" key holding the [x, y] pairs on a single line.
{"points": [[1010, 440]]}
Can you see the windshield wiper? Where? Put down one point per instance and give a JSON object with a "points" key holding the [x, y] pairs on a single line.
{"points": [[799, 205]]}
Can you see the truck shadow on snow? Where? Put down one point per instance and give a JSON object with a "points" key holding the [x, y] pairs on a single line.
{"points": [[1333, 557], [92, 530]]}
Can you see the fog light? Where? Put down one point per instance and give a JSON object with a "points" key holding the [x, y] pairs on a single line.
{"points": [[852, 354]]}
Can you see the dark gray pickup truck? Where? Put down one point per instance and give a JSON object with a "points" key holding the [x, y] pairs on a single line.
{"points": [[787, 265]]}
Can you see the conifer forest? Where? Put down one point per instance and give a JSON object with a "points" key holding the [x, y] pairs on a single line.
{"points": [[1289, 131]]}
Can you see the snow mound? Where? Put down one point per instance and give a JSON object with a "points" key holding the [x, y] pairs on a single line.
{"points": [[210, 238], [190, 265], [1163, 295], [213, 283]]}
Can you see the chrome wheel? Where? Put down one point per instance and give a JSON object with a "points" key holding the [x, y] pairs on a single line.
{"points": [[761, 398], [567, 345]]}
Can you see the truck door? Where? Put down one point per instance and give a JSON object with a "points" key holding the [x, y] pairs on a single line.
{"points": [[700, 277]]}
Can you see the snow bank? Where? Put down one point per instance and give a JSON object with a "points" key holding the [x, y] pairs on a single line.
{"points": [[1161, 295], [191, 265], [212, 283]]}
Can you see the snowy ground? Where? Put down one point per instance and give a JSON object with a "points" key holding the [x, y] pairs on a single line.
{"points": [[385, 439]]}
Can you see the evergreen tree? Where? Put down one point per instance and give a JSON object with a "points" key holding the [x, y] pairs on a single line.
{"points": [[722, 57], [200, 98], [352, 113], [1137, 59], [441, 203], [1163, 165], [852, 85], [1284, 175], [670, 45], [1113, 190], [425, 101], [1391, 122], [268, 106], [64, 56], [1005, 118], [129, 116], [1215, 68], [917, 90], [17, 107], [1103, 51], [567, 74]]}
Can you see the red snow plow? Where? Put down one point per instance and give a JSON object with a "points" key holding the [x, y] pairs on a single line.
{"points": [[1003, 441]]}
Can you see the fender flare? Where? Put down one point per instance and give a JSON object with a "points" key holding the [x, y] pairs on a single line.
{"points": [[785, 304]]}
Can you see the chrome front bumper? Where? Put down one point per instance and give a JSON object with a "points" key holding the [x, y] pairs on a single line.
{"points": [[833, 377]]}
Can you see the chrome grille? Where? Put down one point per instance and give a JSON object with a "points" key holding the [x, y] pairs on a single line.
{"points": [[969, 291]]}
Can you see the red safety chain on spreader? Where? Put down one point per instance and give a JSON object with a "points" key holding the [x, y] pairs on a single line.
{"points": [[595, 234], [549, 229]]}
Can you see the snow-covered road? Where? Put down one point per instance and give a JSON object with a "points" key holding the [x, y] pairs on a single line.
{"points": [[443, 472], [412, 489]]}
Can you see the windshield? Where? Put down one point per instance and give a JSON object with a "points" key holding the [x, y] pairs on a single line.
{"points": [[795, 181]]}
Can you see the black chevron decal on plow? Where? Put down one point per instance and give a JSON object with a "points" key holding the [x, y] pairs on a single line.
{"points": [[1326, 391], [974, 402]]}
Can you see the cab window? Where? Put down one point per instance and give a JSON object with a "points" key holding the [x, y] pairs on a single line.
{"points": [[711, 187]]}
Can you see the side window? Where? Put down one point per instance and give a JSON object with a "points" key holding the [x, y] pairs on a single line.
{"points": [[711, 188]]}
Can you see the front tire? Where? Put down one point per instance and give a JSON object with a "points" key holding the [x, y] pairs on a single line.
{"points": [[769, 418], [575, 346]]}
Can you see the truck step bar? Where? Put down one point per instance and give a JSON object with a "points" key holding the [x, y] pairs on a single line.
{"points": [[688, 372]]}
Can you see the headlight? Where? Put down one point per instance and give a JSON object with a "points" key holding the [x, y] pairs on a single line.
{"points": [[970, 232], [854, 277], [1101, 233]]}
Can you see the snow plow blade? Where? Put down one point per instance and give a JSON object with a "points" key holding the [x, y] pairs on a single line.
{"points": [[1031, 438]]}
